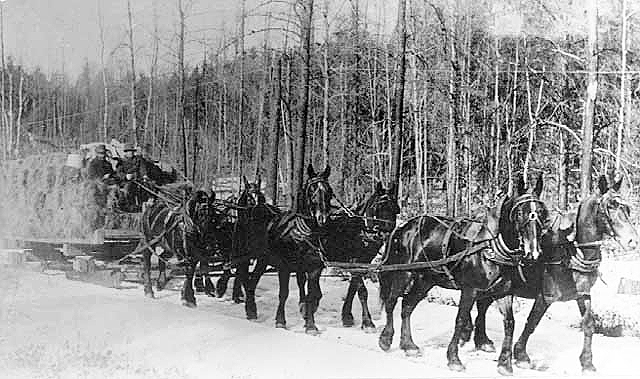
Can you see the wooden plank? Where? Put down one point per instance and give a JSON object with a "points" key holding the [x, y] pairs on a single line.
{"points": [[629, 286], [105, 278]]}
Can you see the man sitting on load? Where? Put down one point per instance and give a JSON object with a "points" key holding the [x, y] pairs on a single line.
{"points": [[100, 168], [129, 171]]}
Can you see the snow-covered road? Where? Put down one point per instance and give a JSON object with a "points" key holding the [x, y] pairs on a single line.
{"points": [[51, 327]]}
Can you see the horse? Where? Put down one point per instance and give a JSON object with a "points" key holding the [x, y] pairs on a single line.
{"points": [[464, 254], [183, 232], [568, 267], [358, 237], [249, 241], [293, 245]]}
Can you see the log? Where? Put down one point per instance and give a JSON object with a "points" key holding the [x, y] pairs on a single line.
{"points": [[105, 278], [629, 286]]}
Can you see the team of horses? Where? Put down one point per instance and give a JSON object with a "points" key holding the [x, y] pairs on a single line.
{"points": [[518, 248]]}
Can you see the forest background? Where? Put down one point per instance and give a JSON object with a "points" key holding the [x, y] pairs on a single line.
{"points": [[449, 99]]}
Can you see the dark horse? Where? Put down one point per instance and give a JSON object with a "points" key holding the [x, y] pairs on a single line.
{"points": [[293, 245], [479, 257], [358, 238], [184, 232], [243, 238], [568, 267]]}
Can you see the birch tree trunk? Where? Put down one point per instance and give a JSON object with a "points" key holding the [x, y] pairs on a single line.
{"points": [[180, 98], [623, 79], [590, 98], [399, 96], [152, 73], [132, 84], [301, 135], [276, 112]]}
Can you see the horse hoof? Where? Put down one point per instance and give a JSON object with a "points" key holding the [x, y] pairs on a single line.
{"points": [[189, 304], [369, 329], [456, 366], [303, 309], [253, 317], [589, 370], [384, 343], [525, 365], [487, 348], [347, 323], [413, 353], [150, 295], [505, 371], [281, 325], [312, 331]]}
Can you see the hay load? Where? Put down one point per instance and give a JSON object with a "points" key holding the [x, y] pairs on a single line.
{"points": [[42, 197]]}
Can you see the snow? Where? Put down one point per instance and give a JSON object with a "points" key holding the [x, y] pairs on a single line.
{"points": [[51, 327]]}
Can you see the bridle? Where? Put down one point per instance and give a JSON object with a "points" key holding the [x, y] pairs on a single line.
{"points": [[604, 210], [373, 224], [533, 217], [313, 181]]}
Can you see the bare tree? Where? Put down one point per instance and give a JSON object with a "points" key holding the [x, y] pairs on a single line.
{"points": [[132, 83], [152, 71], [301, 137], [590, 98], [399, 96], [180, 98], [105, 114]]}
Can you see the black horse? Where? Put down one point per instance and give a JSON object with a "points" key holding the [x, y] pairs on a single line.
{"points": [[244, 239], [293, 245], [462, 254], [358, 238], [568, 267], [183, 232]]}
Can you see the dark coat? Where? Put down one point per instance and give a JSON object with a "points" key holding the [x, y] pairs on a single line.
{"points": [[130, 166], [98, 168]]}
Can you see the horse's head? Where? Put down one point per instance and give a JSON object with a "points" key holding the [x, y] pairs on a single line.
{"points": [[607, 213], [251, 195], [523, 219], [381, 209], [198, 208], [318, 194]]}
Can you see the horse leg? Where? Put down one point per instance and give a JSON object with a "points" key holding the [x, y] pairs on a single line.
{"points": [[588, 327], [409, 302], [391, 286], [162, 276], [209, 289], [467, 298], [301, 279], [241, 279], [283, 280], [188, 296], [146, 273], [239, 282], [347, 316], [505, 305], [221, 284], [363, 295], [480, 337], [250, 289], [312, 301], [520, 348]]}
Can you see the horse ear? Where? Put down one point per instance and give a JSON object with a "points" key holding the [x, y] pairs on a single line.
{"points": [[603, 186], [537, 190], [379, 188], [259, 182], [617, 183], [310, 171], [245, 182], [326, 172], [520, 186]]}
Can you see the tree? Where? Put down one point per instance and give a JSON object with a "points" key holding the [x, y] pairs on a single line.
{"points": [[399, 96], [590, 98], [301, 135]]}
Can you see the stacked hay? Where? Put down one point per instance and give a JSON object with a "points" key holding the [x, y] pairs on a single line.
{"points": [[40, 197]]}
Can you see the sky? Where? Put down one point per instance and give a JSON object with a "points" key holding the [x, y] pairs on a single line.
{"points": [[48, 33], [57, 34]]}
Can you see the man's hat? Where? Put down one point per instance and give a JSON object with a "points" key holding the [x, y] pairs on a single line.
{"points": [[129, 147], [101, 149]]}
